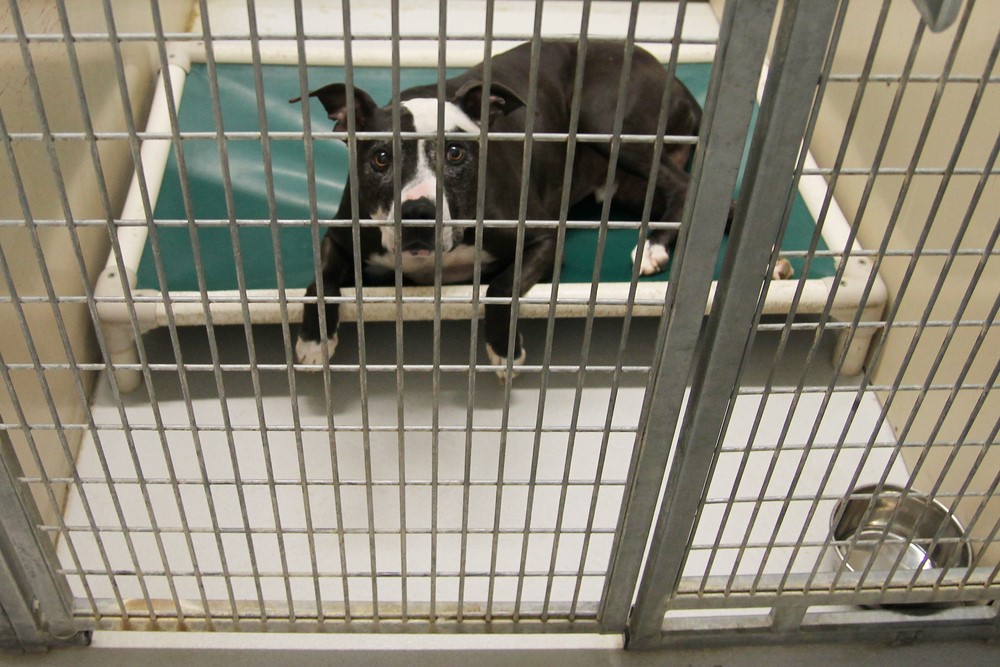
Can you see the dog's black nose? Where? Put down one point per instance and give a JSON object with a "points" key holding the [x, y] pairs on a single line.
{"points": [[418, 209]]}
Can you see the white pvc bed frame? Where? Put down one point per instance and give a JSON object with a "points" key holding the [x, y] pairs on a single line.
{"points": [[116, 320]]}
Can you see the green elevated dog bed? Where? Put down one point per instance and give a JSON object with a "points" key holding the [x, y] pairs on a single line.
{"points": [[237, 99]]}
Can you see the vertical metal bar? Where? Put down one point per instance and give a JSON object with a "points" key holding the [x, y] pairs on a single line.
{"points": [[26, 427], [665, 103], [57, 315], [178, 148], [787, 618], [397, 222], [476, 286], [64, 533], [957, 386], [283, 307], [31, 549], [27, 430], [529, 126], [438, 268], [945, 271], [811, 356], [213, 85], [321, 298], [234, 224], [589, 321], [168, 73], [244, 303], [796, 299], [602, 237], [147, 375], [358, 298], [824, 317], [893, 220], [737, 66], [20, 628], [990, 581], [571, 144], [798, 58]]}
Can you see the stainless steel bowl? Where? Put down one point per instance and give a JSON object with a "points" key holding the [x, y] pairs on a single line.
{"points": [[883, 537]]}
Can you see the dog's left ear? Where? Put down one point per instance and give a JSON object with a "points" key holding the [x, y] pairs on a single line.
{"points": [[503, 100], [334, 99]]}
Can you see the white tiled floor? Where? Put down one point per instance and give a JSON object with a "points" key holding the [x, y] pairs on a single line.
{"points": [[247, 448]]}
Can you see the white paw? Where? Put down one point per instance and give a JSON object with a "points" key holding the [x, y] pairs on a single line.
{"points": [[783, 270], [311, 352], [654, 258], [497, 360]]}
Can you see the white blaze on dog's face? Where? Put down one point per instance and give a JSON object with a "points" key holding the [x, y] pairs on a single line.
{"points": [[418, 185]]}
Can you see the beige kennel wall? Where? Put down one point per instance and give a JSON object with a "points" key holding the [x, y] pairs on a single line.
{"points": [[79, 179], [956, 411]]}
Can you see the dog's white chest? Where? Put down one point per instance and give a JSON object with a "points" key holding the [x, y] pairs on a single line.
{"points": [[457, 265]]}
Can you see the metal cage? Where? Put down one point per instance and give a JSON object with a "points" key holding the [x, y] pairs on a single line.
{"points": [[723, 457]]}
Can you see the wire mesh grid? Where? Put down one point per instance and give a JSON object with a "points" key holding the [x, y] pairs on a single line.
{"points": [[403, 484], [767, 522], [397, 484]]}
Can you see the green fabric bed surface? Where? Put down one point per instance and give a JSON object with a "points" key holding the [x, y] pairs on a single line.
{"points": [[238, 102]]}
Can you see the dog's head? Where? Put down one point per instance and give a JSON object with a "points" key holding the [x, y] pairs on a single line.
{"points": [[418, 163]]}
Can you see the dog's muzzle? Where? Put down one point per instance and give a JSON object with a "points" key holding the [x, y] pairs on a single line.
{"points": [[419, 239]]}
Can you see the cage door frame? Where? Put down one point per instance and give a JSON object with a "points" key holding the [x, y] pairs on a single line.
{"points": [[35, 608], [725, 126], [796, 65]]}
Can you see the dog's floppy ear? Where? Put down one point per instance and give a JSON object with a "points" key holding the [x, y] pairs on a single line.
{"points": [[334, 99], [503, 100]]}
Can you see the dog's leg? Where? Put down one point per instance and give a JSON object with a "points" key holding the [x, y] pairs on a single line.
{"points": [[309, 346], [635, 164], [631, 183], [668, 206], [537, 263], [669, 195]]}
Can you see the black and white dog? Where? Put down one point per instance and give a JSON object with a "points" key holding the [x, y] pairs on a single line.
{"points": [[506, 113]]}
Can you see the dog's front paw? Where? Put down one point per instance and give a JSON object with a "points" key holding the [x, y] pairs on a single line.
{"points": [[310, 352], [497, 360], [783, 270], [654, 258]]}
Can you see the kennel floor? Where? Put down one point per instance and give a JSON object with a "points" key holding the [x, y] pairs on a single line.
{"points": [[236, 541]]}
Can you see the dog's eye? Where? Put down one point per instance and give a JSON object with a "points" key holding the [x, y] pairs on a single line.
{"points": [[454, 153], [381, 160]]}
